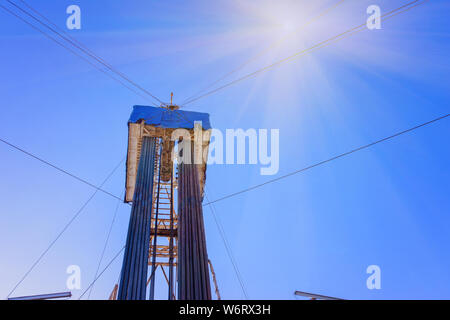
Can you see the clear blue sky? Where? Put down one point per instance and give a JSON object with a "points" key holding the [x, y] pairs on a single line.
{"points": [[316, 231]]}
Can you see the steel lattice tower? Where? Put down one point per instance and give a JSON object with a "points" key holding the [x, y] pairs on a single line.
{"points": [[160, 238]]}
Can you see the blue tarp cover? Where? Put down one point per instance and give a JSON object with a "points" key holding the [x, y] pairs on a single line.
{"points": [[164, 118]]}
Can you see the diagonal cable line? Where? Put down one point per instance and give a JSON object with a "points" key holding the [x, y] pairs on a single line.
{"points": [[77, 54], [330, 159], [48, 21], [65, 228], [58, 28], [59, 169], [221, 229], [254, 187], [227, 247], [82, 48], [301, 53], [265, 50], [101, 273], [89, 52], [78, 178], [392, 13], [106, 268], [106, 244]]}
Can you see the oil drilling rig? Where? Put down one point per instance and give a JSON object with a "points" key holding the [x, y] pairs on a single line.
{"points": [[167, 151]]}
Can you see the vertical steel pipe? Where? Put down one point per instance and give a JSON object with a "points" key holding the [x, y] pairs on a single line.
{"points": [[172, 234], [193, 274], [135, 261]]}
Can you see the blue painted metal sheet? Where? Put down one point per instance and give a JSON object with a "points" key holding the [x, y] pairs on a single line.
{"points": [[165, 118]]}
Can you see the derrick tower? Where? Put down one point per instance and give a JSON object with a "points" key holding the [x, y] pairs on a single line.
{"points": [[166, 234]]}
